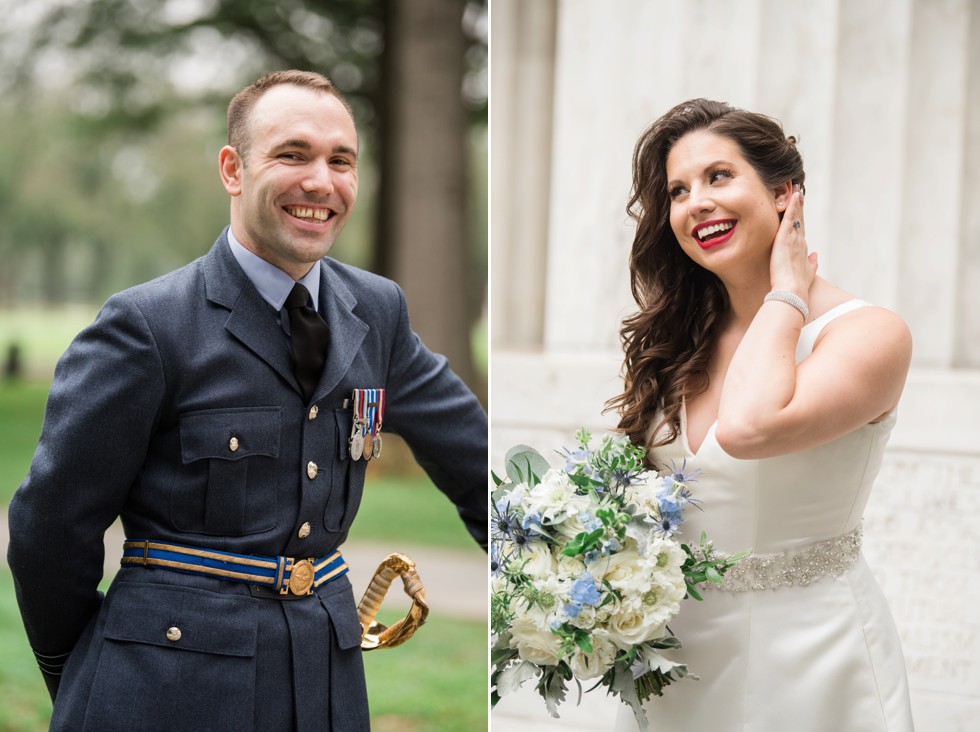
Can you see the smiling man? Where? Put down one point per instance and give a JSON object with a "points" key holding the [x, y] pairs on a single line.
{"points": [[226, 412]]}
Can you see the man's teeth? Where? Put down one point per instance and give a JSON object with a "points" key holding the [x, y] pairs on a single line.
{"points": [[716, 229], [309, 213]]}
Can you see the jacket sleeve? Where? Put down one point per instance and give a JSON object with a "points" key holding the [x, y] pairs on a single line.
{"points": [[442, 421], [100, 413]]}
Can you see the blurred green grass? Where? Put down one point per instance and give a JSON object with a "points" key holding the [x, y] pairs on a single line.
{"points": [[446, 664]]}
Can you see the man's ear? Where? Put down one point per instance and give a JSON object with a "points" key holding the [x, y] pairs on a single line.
{"points": [[230, 165]]}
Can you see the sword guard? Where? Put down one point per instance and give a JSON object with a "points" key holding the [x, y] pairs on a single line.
{"points": [[376, 635]]}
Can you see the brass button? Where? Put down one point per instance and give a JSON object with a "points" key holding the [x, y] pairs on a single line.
{"points": [[314, 411], [311, 469], [173, 634], [233, 444], [305, 530]]}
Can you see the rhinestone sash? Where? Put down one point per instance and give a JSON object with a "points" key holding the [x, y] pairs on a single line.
{"points": [[797, 567]]}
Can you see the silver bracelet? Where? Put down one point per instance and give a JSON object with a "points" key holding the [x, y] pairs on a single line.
{"points": [[790, 299]]}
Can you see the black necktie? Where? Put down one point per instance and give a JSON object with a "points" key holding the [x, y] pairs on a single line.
{"points": [[309, 335]]}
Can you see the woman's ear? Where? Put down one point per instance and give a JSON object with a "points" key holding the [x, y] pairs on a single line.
{"points": [[782, 195]]}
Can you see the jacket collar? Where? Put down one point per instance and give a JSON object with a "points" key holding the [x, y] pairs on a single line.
{"points": [[253, 321]]}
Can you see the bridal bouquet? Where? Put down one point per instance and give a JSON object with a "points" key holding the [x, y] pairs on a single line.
{"points": [[587, 572]]}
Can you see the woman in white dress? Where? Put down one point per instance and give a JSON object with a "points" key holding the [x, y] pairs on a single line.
{"points": [[778, 391]]}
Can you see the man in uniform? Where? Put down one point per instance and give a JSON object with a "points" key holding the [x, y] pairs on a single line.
{"points": [[224, 412]]}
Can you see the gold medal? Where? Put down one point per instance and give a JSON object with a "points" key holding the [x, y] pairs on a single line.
{"points": [[368, 447]]}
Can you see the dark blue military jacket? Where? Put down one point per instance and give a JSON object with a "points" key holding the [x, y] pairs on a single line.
{"points": [[138, 425]]}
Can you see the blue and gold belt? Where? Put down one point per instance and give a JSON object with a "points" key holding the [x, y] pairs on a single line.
{"points": [[284, 575]]}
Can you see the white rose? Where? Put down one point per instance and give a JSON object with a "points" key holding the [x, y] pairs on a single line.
{"points": [[631, 625], [569, 567], [585, 618], [534, 644], [570, 526], [625, 570], [537, 560]]}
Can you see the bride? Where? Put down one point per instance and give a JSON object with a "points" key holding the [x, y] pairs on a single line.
{"points": [[777, 391]]}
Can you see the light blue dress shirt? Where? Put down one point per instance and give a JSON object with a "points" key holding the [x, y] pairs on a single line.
{"points": [[273, 284]]}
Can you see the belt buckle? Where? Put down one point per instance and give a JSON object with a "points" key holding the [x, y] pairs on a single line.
{"points": [[301, 576]]}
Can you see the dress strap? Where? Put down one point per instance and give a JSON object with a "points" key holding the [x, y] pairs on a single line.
{"points": [[808, 336]]}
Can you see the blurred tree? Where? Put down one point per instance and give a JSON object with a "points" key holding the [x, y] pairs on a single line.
{"points": [[414, 72]]}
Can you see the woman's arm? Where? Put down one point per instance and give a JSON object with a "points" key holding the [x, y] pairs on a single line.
{"points": [[855, 375]]}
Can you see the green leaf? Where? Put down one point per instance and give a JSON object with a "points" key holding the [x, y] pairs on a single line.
{"points": [[584, 642], [582, 543], [525, 465], [712, 575], [693, 592]]}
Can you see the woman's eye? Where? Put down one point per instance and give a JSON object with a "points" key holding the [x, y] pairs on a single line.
{"points": [[676, 192], [719, 175]]}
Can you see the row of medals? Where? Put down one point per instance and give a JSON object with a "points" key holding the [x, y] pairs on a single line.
{"points": [[362, 443]]}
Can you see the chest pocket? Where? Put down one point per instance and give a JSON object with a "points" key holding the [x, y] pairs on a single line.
{"points": [[227, 482]]}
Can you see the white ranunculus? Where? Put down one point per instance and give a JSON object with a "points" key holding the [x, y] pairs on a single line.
{"points": [[665, 558], [595, 664], [554, 498], [662, 601], [533, 643], [551, 595]]}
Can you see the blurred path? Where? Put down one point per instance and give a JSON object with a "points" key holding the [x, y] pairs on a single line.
{"points": [[455, 579]]}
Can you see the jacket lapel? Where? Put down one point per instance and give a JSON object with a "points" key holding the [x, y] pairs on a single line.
{"points": [[347, 331], [251, 319]]}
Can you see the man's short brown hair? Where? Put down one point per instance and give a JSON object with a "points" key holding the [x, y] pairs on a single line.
{"points": [[241, 105]]}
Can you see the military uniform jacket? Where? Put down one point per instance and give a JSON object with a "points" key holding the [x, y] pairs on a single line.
{"points": [[139, 424]]}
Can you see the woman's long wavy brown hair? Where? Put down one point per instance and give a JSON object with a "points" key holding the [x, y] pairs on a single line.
{"points": [[669, 341]]}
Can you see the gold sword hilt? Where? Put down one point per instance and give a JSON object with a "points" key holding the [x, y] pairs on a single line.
{"points": [[376, 635]]}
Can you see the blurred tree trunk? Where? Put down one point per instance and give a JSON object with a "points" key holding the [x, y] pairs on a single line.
{"points": [[422, 225]]}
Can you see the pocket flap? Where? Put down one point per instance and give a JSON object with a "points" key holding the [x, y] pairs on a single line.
{"points": [[230, 434], [183, 618], [338, 599]]}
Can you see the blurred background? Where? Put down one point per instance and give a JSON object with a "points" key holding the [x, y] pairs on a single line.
{"points": [[884, 97], [112, 113]]}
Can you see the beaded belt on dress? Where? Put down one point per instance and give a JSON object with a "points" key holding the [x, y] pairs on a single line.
{"points": [[829, 558]]}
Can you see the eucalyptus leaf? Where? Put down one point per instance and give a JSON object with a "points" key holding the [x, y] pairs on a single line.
{"points": [[525, 464]]}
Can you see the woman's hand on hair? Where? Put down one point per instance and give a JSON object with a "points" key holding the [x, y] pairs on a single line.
{"points": [[791, 266]]}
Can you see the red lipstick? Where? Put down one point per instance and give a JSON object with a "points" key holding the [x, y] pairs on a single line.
{"points": [[718, 237]]}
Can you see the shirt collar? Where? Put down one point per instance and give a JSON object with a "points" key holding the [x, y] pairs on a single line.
{"points": [[273, 284]]}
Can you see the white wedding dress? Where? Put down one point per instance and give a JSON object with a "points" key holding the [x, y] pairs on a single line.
{"points": [[818, 657]]}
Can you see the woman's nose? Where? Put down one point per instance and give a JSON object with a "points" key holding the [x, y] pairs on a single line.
{"points": [[700, 199]]}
